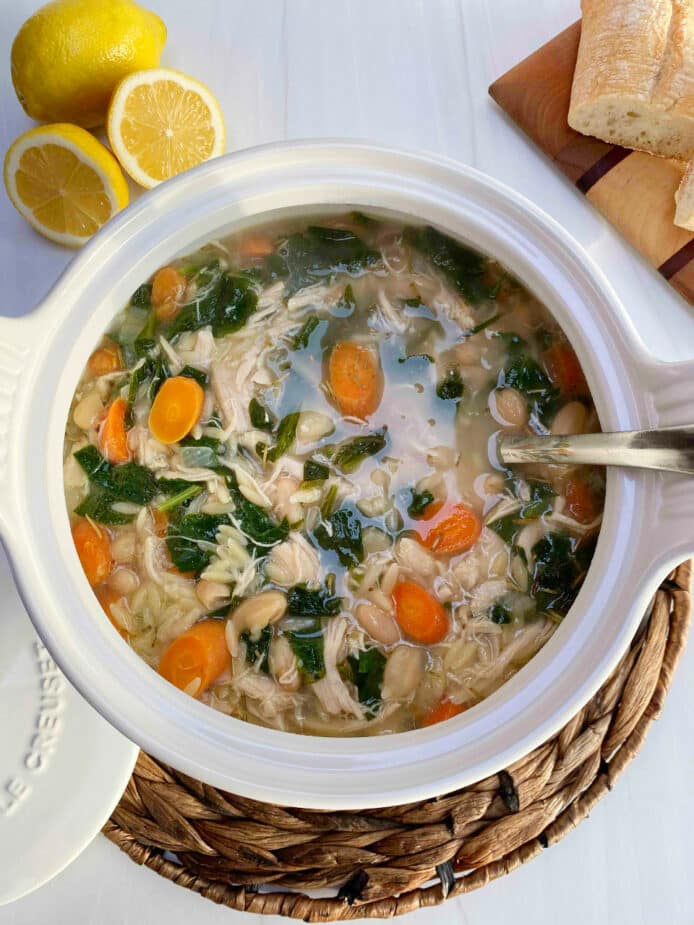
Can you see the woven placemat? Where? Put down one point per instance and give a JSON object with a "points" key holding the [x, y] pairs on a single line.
{"points": [[259, 858]]}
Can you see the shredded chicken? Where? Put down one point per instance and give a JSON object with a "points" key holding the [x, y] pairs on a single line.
{"points": [[331, 690], [293, 562]]}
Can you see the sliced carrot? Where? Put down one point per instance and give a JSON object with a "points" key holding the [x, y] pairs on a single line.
{"points": [[418, 613], [457, 529], [444, 710], [564, 369], [581, 502], [93, 547], [176, 409], [255, 244], [200, 654], [107, 597], [114, 436], [106, 359], [355, 379], [168, 286]]}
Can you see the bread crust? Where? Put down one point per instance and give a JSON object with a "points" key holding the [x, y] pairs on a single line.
{"points": [[634, 78]]}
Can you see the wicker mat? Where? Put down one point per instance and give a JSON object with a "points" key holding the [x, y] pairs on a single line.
{"points": [[260, 858]]}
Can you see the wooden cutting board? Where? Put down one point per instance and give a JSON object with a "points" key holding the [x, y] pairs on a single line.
{"points": [[635, 191]]}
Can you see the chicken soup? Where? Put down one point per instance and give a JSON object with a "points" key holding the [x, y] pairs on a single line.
{"points": [[280, 475]]}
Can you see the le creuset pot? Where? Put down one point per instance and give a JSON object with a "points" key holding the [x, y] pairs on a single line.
{"points": [[648, 519]]}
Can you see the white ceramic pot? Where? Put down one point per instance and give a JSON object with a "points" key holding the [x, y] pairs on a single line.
{"points": [[648, 524]]}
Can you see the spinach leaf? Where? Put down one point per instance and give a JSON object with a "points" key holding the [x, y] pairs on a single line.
{"points": [[226, 307], [145, 341], [180, 497], [483, 324], [257, 648], [98, 506], [302, 338], [312, 602], [142, 297], [367, 672], [260, 417], [172, 486], [160, 372], [128, 482], [451, 386], [420, 501], [286, 432], [191, 539], [343, 535], [204, 452], [237, 302], [315, 471], [422, 357], [463, 267], [538, 504], [309, 256], [556, 573], [348, 455], [307, 645], [507, 527], [255, 522], [217, 447], [192, 373], [527, 376], [138, 376], [500, 614]]}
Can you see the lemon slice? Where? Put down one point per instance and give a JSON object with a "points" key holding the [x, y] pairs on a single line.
{"points": [[161, 122], [64, 182]]}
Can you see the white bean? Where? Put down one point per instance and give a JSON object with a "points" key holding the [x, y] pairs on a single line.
{"points": [[283, 664], [88, 410], [389, 578], [253, 615], [433, 483], [403, 672], [313, 426], [375, 540], [378, 623], [123, 581], [374, 506], [283, 490], [570, 419], [508, 407]]}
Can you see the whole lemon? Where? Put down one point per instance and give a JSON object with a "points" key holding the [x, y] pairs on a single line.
{"points": [[68, 57]]}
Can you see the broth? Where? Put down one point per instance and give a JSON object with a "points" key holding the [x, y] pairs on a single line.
{"points": [[278, 472]]}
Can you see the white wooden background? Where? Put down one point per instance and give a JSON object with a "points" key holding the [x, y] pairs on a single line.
{"points": [[412, 73]]}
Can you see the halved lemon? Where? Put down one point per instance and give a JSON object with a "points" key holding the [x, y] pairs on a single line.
{"points": [[64, 182], [161, 122]]}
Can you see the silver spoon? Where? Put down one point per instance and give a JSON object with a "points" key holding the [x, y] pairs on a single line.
{"points": [[670, 449]]}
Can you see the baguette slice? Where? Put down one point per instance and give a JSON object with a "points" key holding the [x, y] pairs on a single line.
{"points": [[684, 199], [634, 78]]}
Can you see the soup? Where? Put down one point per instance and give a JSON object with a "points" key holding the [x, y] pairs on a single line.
{"points": [[280, 475]]}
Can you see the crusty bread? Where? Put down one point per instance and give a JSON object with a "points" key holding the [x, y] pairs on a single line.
{"points": [[684, 199], [634, 78]]}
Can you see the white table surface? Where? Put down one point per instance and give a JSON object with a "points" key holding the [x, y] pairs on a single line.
{"points": [[412, 73]]}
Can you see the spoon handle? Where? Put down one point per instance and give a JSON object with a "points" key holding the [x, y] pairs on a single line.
{"points": [[670, 449]]}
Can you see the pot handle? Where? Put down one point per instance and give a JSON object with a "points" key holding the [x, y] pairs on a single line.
{"points": [[669, 393], [20, 339]]}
